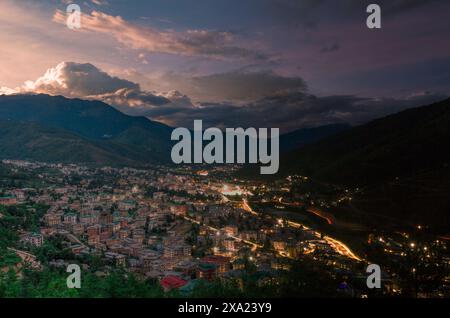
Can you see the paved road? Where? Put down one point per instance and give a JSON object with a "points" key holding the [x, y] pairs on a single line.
{"points": [[337, 245]]}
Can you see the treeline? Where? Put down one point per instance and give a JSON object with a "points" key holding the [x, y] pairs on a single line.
{"points": [[300, 281], [52, 284]]}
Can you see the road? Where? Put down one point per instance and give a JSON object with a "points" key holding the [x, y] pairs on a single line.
{"points": [[253, 244], [337, 245], [27, 258], [326, 216]]}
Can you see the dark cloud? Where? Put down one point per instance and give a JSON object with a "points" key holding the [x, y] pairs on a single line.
{"points": [[241, 85], [310, 14], [274, 101], [235, 86], [293, 111]]}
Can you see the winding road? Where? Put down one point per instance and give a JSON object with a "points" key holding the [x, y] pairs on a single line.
{"points": [[337, 245]]}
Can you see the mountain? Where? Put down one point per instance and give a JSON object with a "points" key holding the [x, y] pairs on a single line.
{"points": [[55, 128], [400, 145], [293, 141], [31, 141], [302, 137], [402, 162]]}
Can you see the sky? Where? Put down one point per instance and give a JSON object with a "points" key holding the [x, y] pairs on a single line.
{"points": [[262, 63]]}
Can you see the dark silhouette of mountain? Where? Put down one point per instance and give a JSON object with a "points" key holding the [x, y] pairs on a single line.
{"points": [[76, 130], [402, 162], [399, 145], [302, 137], [293, 140]]}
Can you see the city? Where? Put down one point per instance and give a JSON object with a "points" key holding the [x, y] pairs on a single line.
{"points": [[220, 156], [182, 228]]}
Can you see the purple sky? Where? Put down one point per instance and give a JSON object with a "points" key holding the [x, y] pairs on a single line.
{"points": [[286, 63]]}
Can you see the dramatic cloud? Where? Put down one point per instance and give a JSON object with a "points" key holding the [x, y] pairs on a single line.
{"points": [[7, 91], [77, 80], [279, 102], [143, 103], [293, 111], [201, 38], [214, 44], [236, 86], [84, 80]]}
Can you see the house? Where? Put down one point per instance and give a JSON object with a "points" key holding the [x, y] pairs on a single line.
{"points": [[138, 236], [34, 239], [229, 244], [118, 259], [127, 205], [19, 194], [231, 230], [8, 200], [207, 271], [70, 218], [179, 209], [52, 219], [177, 250], [93, 239], [172, 282], [77, 249], [222, 263], [93, 230], [279, 245]]}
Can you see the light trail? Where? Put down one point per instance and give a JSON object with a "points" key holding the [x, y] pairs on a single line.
{"points": [[315, 211], [255, 245], [337, 245]]}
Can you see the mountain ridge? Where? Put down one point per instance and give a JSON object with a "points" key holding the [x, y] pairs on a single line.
{"points": [[92, 123]]}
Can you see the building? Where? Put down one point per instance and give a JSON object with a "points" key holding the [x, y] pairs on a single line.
{"points": [[221, 263], [8, 200], [19, 194], [231, 230], [105, 217], [116, 227], [279, 245], [77, 229], [52, 219], [207, 271], [93, 230], [70, 218], [77, 249], [177, 250], [116, 258], [138, 236], [94, 240], [179, 209], [124, 234], [34, 239], [127, 205], [229, 244], [172, 282]]}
